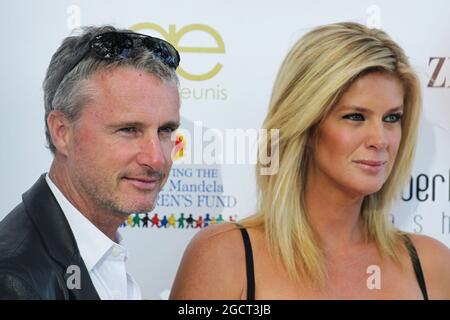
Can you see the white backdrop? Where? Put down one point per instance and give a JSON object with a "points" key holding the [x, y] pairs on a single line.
{"points": [[225, 86]]}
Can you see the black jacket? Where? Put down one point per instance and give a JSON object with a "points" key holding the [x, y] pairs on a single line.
{"points": [[36, 248]]}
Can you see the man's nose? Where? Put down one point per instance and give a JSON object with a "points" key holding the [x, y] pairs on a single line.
{"points": [[151, 153]]}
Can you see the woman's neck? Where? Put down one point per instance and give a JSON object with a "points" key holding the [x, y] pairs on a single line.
{"points": [[334, 214]]}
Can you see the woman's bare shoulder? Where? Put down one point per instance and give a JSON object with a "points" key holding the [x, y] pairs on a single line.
{"points": [[221, 231], [435, 261], [213, 265], [224, 239]]}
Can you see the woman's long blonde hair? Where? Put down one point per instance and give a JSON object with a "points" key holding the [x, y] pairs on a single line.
{"points": [[314, 75]]}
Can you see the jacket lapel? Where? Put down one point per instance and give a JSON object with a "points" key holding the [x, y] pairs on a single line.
{"points": [[54, 229]]}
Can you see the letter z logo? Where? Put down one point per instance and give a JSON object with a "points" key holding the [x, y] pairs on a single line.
{"points": [[437, 72]]}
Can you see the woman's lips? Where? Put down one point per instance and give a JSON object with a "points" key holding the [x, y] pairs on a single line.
{"points": [[372, 166], [143, 183]]}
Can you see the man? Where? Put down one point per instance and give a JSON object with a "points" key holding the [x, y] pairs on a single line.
{"points": [[111, 109]]}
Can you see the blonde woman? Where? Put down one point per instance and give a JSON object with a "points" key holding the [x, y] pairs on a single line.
{"points": [[347, 105]]}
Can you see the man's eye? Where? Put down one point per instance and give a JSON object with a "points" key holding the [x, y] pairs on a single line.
{"points": [[128, 130], [394, 117], [354, 117], [167, 129]]}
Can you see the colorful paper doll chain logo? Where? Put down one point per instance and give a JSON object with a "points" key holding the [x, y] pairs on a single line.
{"points": [[180, 222]]}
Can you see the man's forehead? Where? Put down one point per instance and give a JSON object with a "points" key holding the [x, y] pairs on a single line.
{"points": [[133, 96], [117, 75]]}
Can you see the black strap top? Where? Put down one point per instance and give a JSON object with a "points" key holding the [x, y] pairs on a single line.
{"points": [[251, 270], [416, 264], [249, 265]]}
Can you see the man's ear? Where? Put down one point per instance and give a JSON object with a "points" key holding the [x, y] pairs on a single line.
{"points": [[60, 130]]}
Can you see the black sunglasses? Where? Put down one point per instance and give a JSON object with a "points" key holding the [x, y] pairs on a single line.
{"points": [[111, 45], [120, 45]]}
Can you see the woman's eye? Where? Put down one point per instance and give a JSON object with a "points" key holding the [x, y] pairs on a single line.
{"points": [[354, 117], [394, 117]]}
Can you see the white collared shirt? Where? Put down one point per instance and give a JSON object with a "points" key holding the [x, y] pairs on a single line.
{"points": [[105, 259]]}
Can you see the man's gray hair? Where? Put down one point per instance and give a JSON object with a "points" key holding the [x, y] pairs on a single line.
{"points": [[66, 90]]}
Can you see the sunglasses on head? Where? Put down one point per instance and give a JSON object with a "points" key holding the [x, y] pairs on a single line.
{"points": [[120, 45], [111, 45]]}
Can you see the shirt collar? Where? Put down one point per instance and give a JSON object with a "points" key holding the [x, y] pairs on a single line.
{"points": [[92, 243]]}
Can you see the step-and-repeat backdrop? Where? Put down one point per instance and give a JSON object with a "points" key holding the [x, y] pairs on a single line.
{"points": [[230, 54]]}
